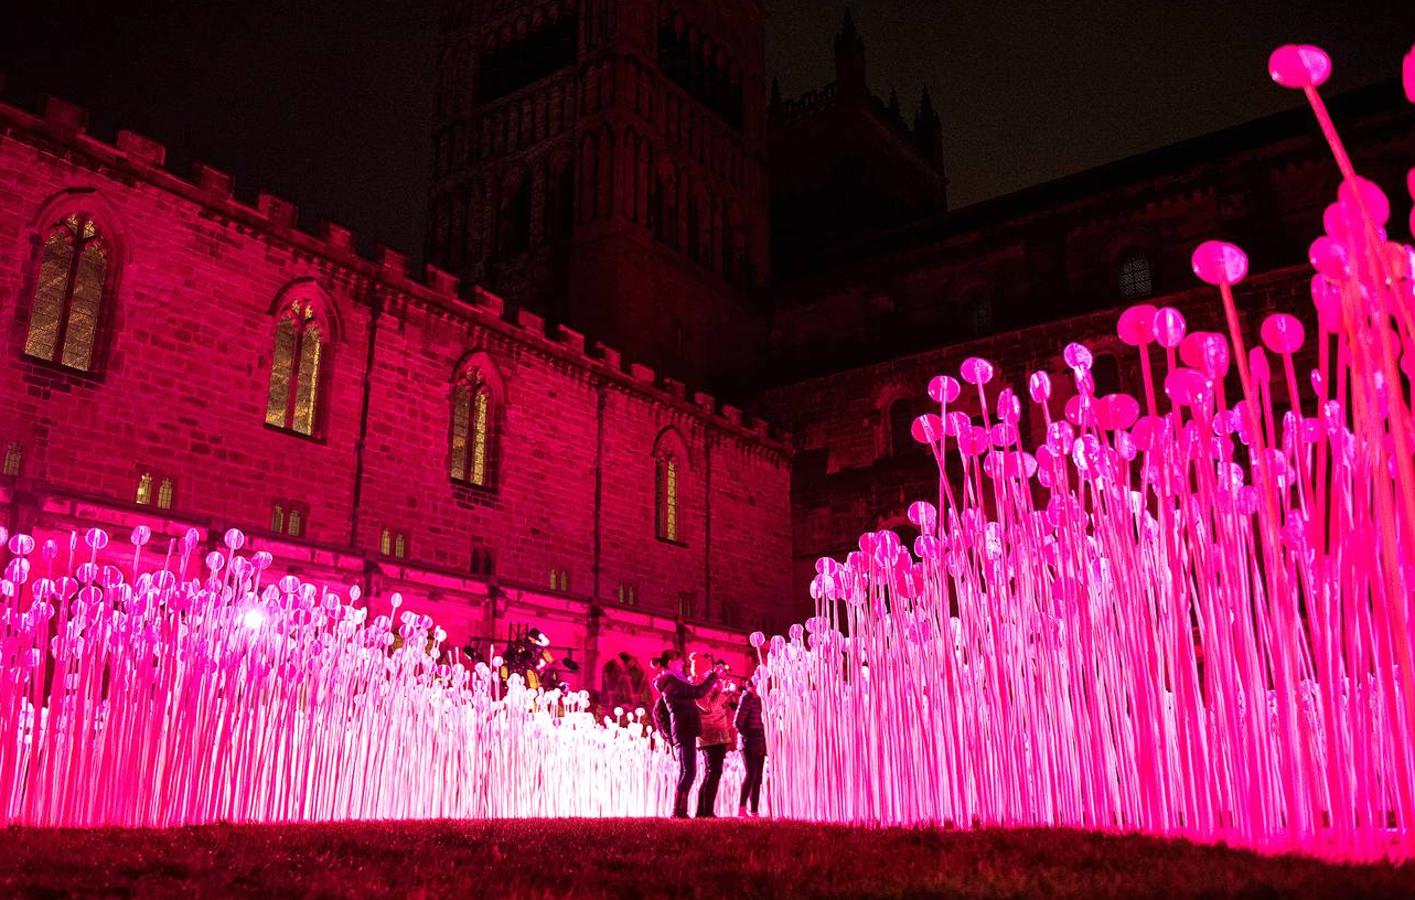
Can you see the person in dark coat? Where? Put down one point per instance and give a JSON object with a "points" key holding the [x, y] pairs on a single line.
{"points": [[753, 734], [680, 696], [662, 720]]}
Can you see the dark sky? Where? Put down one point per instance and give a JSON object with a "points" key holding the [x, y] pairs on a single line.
{"points": [[328, 102]]}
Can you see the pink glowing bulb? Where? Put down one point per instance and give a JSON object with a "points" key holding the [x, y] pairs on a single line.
{"points": [[1407, 75], [1299, 66], [253, 619], [1282, 333], [1330, 258], [1220, 263], [1169, 327], [1207, 352], [1078, 357], [924, 515], [1360, 195], [1039, 387], [1136, 325], [927, 429], [944, 389], [976, 371], [1117, 411], [1186, 386]]}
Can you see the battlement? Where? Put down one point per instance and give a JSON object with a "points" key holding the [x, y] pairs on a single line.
{"points": [[61, 126]]}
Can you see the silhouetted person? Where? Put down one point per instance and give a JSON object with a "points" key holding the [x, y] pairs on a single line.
{"points": [[753, 732], [680, 696]]}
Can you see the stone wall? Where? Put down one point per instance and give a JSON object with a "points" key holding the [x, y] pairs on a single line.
{"points": [[179, 386]]}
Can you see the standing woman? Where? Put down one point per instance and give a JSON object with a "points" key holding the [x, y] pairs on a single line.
{"points": [[749, 725], [717, 737]]}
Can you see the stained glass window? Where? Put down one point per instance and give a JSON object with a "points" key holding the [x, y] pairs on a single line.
{"points": [[277, 519], [400, 545], [144, 494], [471, 430], [13, 455], [295, 369], [164, 494], [297, 522], [385, 542], [68, 295], [668, 498]]}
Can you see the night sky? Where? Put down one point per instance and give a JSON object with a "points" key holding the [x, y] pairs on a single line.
{"points": [[329, 102]]}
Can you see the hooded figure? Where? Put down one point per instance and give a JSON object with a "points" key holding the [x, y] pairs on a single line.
{"points": [[680, 696]]}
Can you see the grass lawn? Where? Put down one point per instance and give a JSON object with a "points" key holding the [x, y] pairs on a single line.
{"points": [[653, 858]]}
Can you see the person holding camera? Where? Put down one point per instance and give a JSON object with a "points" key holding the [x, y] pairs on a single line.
{"points": [[680, 696], [717, 735]]}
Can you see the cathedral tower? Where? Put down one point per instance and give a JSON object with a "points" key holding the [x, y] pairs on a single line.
{"points": [[602, 162]]}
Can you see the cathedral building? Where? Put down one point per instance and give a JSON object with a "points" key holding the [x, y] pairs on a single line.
{"points": [[628, 225]]}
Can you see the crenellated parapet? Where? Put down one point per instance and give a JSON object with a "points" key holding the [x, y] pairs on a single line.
{"points": [[60, 128]]}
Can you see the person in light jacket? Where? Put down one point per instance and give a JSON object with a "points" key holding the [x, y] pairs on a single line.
{"points": [[680, 696], [716, 739], [749, 725]]}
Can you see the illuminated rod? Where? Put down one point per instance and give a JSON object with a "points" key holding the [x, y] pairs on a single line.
{"points": [[1186, 612]]}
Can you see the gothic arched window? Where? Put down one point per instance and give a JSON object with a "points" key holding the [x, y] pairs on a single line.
{"points": [[1135, 279], [293, 401], [69, 294], [473, 427], [670, 460]]}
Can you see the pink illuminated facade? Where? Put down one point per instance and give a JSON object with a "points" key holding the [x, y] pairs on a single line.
{"points": [[179, 358]]}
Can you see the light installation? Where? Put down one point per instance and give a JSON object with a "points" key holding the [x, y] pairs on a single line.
{"points": [[1186, 612], [195, 693]]}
